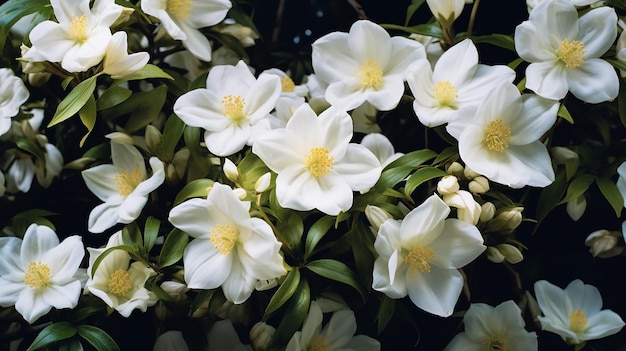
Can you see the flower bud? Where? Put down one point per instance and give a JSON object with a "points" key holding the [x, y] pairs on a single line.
{"points": [[376, 216], [180, 162], [561, 155], [263, 183], [123, 17], [603, 243], [494, 255], [121, 138], [511, 253], [576, 208], [469, 173], [242, 194], [479, 185], [245, 35], [153, 138], [487, 211], [260, 335], [467, 209], [230, 170], [38, 79], [446, 11], [448, 185], [456, 169], [506, 220], [176, 290]]}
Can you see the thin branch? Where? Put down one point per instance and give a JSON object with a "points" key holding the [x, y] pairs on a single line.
{"points": [[358, 8], [278, 21]]}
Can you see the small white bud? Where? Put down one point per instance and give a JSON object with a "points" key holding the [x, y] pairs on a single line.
{"points": [[448, 185], [488, 210], [260, 335], [511, 253], [242, 194], [153, 137], [506, 220], [263, 183], [175, 289], [456, 169], [467, 209], [469, 173], [230, 170], [479, 185], [494, 255], [603, 243], [376, 216]]}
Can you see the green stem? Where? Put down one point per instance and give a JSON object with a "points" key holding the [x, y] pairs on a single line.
{"points": [[470, 25]]}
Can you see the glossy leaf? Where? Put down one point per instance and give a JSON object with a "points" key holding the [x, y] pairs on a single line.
{"points": [[195, 188], [173, 248], [611, 193], [74, 101], [283, 293], [337, 271], [97, 337], [51, 334], [316, 233], [421, 176]]}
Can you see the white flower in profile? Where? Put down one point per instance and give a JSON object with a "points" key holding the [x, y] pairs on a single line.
{"points": [[457, 82], [117, 62], [39, 273], [501, 139], [232, 102], [621, 181], [446, 11], [117, 281], [230, 249], [337, 334], [365, 64], [317, 166], [575, 313], [564, 51], [13, 94], [124, 186], [494, 328], [420, 255], [80, 38], [183, 18]]}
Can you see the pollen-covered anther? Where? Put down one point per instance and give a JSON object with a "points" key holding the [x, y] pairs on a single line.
{"points": [[224, 237], [318, 343], [418, 258], [318, 161], [127, 181], [497, 135], [287, 84], [232, 107], [577, 321], [179, 8], [78, 29], [571, 53], [495, 342], [370, 75], [446, 94], [119, 282], [37, 275]]}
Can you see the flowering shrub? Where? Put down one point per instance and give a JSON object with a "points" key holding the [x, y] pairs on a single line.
{"points": [[244, 175]]}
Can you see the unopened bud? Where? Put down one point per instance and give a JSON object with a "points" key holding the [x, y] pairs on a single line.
{"points": [[180, 162], [494, 255], [561, 154], [467, 209], [263, 183], [506, 220], [230, 170], [456, 169], [153, 138], [469, 173], [576, 208], [38, 79], [487, 211], [448, 185], [479, 185], [123, 17], [603, 243], [170, 173], [511, 253], [121, 138], [260, 335], [242, 194], [175, 289], [376, 216]]}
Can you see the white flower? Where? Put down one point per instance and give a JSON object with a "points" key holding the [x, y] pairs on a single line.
{"points": [[232, 102], [500, 141], [124, 186], [381, 147], [457, 82], [338, 334], [13, 94], [80, 38], [565, 51], [230, 249], [183, 18], [575, 313], [287, 84], [621, 180], [446, 11], [317, 165], [117, 62], [419, 256], [39, 273], [117, 282], [365, 64], [494, 328]]}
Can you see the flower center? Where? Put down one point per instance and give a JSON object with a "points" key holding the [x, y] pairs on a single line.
{"points": [[318, 343], [318, 162], [370, 75], [287, 84], [497, 135], [128, 181], [232, 106], [446, 94], [418, 257], [37, 275], [496, 342], [224, 237], [78, 29], [577, 321], [571, 53], [119, 283], [179, 8]]}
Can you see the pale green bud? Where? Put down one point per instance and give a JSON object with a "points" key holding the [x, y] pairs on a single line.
{"points": [[576, 208], [603, 243], [469, 173], [494, 255], [511, 253], [176, 290], [479, 185], [153, 138], [488, 210], [121, 138], [376, 216], [506, 220], [260, 335]]}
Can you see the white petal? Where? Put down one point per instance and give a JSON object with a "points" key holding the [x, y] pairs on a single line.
{"points": [[38, 240], [208, 13], [547, 79], [228, 141], [537, 117], [201, 108], [195, 41], [239, 285], [10, 256], [424, 223], [205, 267], [340, 329], [369, 41], [103, 217], [332, 59], [598, 30], [359, 168], [603, 323], [584, 297], [594, 81], [62, 296], [459, 244], [532, 46], [31, 305], [65, 259], [436, 291], [553, 301], [100, 180]]}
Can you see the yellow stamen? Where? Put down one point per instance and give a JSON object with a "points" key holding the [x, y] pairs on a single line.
{"points": [[78, 29], [318, 343], [179, 8], [577, 321], [119, 282], [496, 342], [37, 275], [318, 162], [288, 85], [497, 135], [232, 107], [418, 257], [370, 75], [224, 237], [571, 53], [446, 94], [128, 181]]}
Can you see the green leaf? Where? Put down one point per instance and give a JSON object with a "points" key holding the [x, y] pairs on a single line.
{"points": [[291, 321], [173, 130], [112, 97], [420, 176], [392, 176], [337, 271], [71, 344], [316, 233], [74, 101], [362, 244], [32, 148], [150, 233], [145, 107], [500, 40], [51, 334], [284, 292], [621, 102], [173, 248], [229, 41], [564, 113], [292, 230], [195, 188], [11, 12], [446, 154], [415, 4], [97, 337], [148, 71], [611, 194], [87, 115], [385, 312], [550, 197], [105, 253], [577, 187], [430, 30], [131, 236], [413, 159]]}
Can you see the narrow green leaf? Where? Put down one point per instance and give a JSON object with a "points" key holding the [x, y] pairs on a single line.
{"points": [[431, 30], [413, 159], [148, 71], [173, 130], [87, 115], [74, 101], [51, 334], [564, 113], [337, 271], [131, 236], [295, 312], [446, 154], [195, 188], [150, 233], [71, 344], [66, 82], [577, 187], [283, 293], [385, 312], [292, 230], [392, 176], [513, 64], [112, 97], [316, 233], [97, 337], [173, 248], [611, 194], [500, 40], [145, 107], [415, 4], [32, 148], [420, 176], [106, 252], [621, 101], [11, 12]]}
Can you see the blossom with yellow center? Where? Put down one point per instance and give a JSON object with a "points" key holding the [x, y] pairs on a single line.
{"points": [[577, 321], [287, 84], [119, 282], [445, 94], [128, 181], [224, 238], [370, 75], [78, 29], [37, 275], [418, 258], [233, 108], [571, 53], [179, 8], [318, 162], [497, 135]]}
